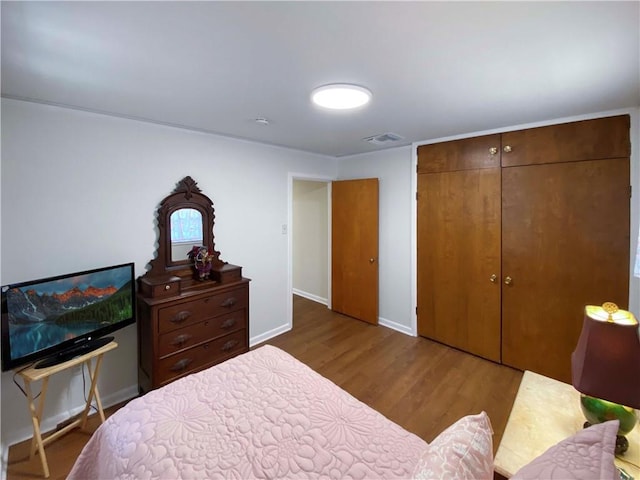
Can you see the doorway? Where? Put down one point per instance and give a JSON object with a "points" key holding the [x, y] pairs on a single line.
{"points": [[308, 197], [310, 233], [310, 244]]}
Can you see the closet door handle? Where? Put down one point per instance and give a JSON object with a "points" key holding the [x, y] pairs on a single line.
{"points": [[508, 280], [493, 278]]}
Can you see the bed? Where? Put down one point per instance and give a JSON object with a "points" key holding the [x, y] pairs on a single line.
{"points": [[262, 414]]}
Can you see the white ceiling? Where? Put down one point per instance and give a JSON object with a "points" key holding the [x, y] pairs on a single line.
{"points": [[435, 68]]}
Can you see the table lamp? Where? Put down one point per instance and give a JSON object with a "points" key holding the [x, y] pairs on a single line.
{"points": [[605, 368]]}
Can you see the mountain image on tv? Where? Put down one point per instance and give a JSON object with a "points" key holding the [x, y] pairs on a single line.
{"points": [[46, 314]]}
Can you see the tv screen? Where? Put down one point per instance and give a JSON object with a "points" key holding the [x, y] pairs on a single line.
{"points": [[51, 320]]}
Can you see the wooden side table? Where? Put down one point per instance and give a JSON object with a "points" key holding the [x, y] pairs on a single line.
{"points": [[31, 374], [545, 412]]}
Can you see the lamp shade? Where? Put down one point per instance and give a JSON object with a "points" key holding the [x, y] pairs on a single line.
{"points": [[606, 361]]}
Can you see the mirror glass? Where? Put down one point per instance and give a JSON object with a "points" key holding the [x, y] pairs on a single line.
{"points": [[186, 231]]}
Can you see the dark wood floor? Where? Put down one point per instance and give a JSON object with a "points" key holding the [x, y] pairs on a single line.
{"points": [[419, 384]]}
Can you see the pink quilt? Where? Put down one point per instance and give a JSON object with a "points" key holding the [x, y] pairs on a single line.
{"points": [[263, 414]]}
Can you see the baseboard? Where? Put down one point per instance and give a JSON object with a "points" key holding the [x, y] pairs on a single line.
{"points": [[310, 296], [381, 321], [396, 326], [268, 335]]}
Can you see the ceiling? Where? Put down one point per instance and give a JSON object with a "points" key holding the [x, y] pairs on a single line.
{"points": [[435, 68]]}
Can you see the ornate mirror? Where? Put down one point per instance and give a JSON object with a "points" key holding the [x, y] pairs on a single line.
{"points": [[185, 227]]}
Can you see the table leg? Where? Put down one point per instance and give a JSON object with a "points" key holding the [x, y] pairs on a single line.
{"points": [[36, 415], [93, 392]]}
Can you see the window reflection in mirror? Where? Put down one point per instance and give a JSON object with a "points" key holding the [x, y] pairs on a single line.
{"points": [[186, 231]]}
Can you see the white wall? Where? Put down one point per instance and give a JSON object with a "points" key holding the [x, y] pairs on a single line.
{"points": [[4, 451], [80, 190], [310, 232], [393, 169], [634, 284]]}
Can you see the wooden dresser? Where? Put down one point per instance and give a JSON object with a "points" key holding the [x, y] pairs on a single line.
{"points": [[182, 334], [193, 310]]}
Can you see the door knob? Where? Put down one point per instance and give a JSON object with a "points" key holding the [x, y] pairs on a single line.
{"points": [[493, 150], [493, 278], [371, 260], [508, 280], [507, 148]]}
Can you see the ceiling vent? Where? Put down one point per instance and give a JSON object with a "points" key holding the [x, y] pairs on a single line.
{"points": [[383, 138]]}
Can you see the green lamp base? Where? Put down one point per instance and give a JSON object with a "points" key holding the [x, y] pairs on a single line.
{"points": [[622, 444], [597, 410]]}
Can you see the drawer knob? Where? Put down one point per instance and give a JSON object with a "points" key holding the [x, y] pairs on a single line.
{"points": [[167, 287], [227, 324], [181, 365], [507, 148], [229, 345], [180, 340], [229, 302], [181, 316]]}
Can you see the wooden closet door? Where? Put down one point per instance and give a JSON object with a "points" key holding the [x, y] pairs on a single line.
{"points": [[458, 255], [565, 244]]}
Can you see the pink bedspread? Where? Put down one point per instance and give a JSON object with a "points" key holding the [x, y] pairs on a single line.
{"points": [[263, 414]]}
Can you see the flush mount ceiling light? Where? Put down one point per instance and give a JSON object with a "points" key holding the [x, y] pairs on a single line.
{"points": [[340, 96]]}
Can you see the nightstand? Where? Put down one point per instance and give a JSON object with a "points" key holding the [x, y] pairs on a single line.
{"points": [[545, 412]]}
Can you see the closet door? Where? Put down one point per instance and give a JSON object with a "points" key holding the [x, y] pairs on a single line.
{"points": [[595, 139], [565, 244], [459, 245]]}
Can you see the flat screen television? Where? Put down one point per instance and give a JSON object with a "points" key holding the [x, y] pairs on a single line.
{"points": [[52, 320]]}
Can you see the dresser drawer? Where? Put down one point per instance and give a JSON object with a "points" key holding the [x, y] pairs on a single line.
{"points": [[197, 357], [160, 287], [190, 335], [189, 313]]}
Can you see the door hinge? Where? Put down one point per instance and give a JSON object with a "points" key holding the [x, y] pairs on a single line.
{"points": [[416, 310], [630, 191], [417, 195]]}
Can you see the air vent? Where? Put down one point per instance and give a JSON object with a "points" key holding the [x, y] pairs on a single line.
{"points": [[383, 138]]}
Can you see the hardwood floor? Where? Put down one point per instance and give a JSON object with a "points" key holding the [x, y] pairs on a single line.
{"points": [[419, 384]]}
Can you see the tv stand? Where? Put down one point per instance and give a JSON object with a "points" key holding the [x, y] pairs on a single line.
{"points": [[35, 373]]}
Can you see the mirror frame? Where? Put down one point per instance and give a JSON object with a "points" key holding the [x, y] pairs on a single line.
{"points": [[187, 194]]}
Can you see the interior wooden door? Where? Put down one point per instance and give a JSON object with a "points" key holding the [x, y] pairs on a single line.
{"points": [[459, 259], [565, 244], [354, 248]]}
